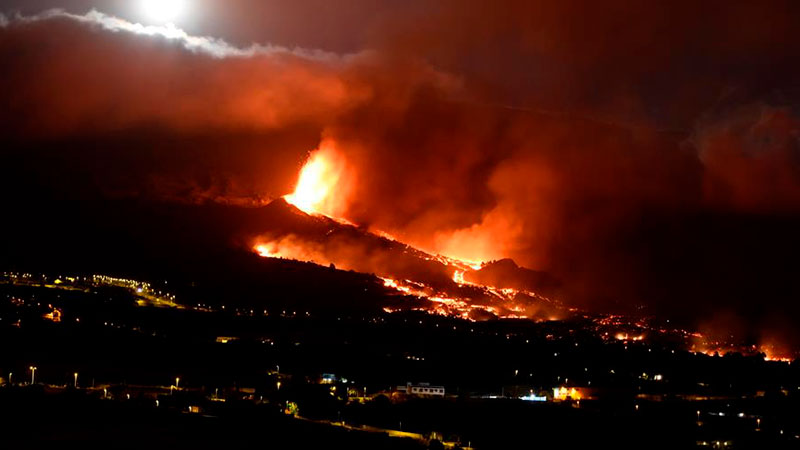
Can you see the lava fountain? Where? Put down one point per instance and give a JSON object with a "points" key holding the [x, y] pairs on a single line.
{"points": [[322, 186]]}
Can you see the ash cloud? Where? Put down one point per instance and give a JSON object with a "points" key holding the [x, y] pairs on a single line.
{"points": [[645, 154], [752, 159]]}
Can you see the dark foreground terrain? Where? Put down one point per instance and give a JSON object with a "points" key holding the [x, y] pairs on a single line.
{"points": [[122, 363], [38, 420]]}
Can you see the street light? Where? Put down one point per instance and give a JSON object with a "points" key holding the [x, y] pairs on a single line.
{"points": [[177, 382], [33, 373], [76, 380], [10, 374]]}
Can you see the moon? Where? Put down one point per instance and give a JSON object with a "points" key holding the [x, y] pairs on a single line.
{"points": [[163, 10]]}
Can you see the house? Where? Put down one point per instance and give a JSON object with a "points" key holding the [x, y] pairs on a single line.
{"points": [[422, 390]]}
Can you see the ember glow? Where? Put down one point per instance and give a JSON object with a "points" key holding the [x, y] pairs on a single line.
{"points": [[709, 346]]}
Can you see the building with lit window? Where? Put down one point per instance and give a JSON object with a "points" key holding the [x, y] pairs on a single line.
{"points": [[422, 390]]}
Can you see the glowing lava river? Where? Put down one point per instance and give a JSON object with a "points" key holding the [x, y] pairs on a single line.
{"points": [[448, 286], [310, 228]]}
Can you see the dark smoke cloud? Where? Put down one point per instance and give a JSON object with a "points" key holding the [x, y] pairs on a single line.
{"points": [[645, 153], [752, 159]]}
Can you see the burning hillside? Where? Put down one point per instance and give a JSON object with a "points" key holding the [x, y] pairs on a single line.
{"points": [[303, 226], [444, 282], [306, 225]]}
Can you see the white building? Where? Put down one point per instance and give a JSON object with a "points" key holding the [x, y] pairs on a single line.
{"points": [[422, 389]]}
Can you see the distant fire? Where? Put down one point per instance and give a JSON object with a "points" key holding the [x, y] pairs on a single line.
{"points": [[322, 192], [628, 337], [444, 282], [463, 299], [388, 282], [267, 250], [468, 300], [322, 186], [322, 189], [775, 352], [290, 247], [711, 347]]}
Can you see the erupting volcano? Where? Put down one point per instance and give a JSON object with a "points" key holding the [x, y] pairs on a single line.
{"points": [[407, 225], [321, 187], [308, 225]]}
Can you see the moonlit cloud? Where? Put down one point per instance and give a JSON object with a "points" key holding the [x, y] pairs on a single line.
{"points": [[215, 47]]}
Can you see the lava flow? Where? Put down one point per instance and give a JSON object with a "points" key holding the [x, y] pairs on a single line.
{"points": [[325, 238], [432, 283], [311, 229]]}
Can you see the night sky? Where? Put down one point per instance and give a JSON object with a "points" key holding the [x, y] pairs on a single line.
{"points": [[647, 153]]}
